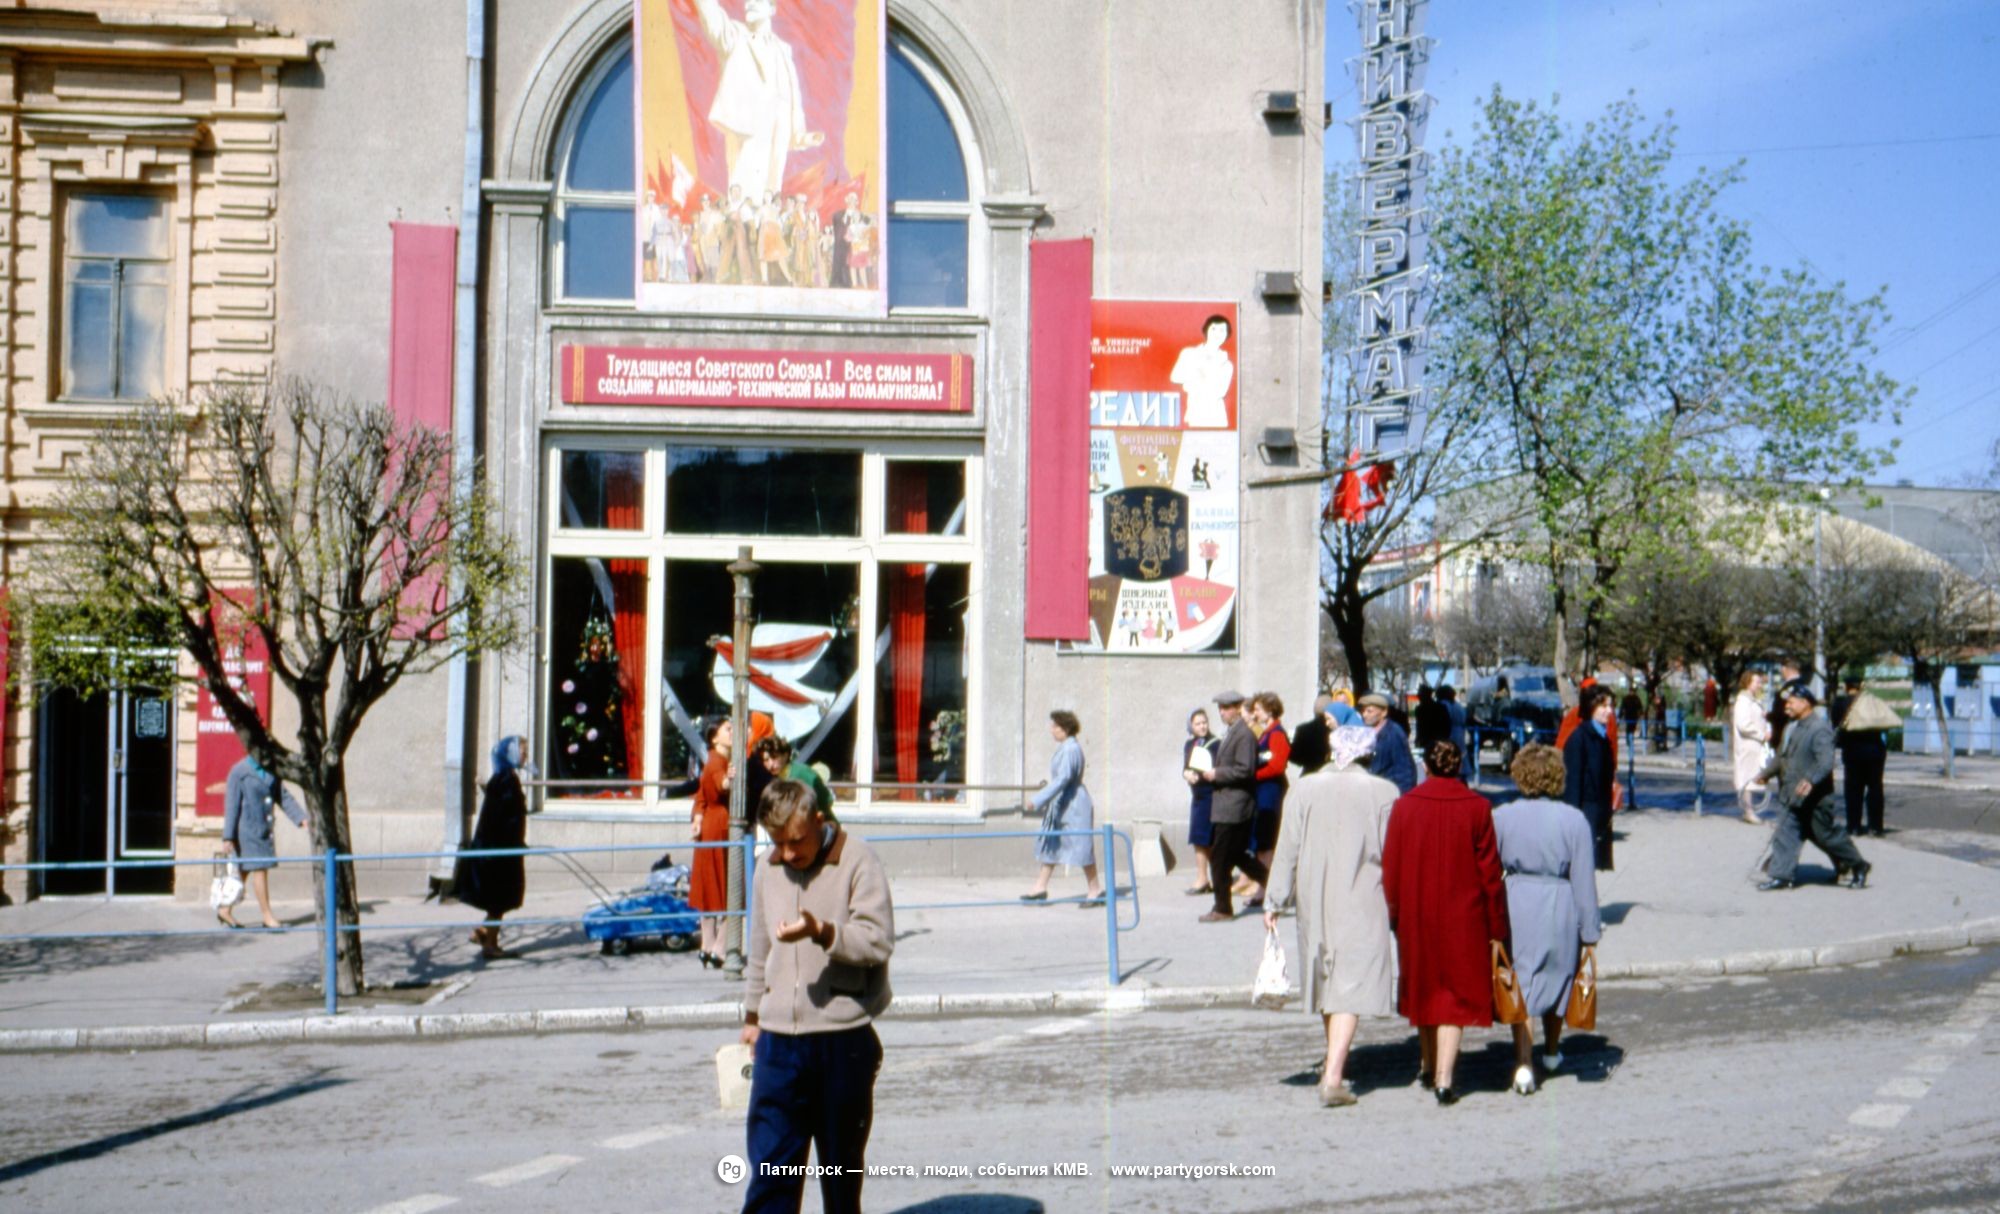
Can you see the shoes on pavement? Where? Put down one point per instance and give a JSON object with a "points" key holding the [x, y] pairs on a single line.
{"points": [[1215, 917], [1445, 1096], [1092, 900], [1551, 1062], [1776, 883], [1199, 891], [1335, 1095], [1041, 897], [1253, 906], [1860, 878], [1524, 1080], [1753, 819]]}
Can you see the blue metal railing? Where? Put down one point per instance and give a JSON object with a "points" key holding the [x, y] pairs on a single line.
{"points": [[328, 861]]}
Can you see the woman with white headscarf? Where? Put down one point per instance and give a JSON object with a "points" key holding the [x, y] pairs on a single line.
{"points": [[1329, 863], [497, 884]]}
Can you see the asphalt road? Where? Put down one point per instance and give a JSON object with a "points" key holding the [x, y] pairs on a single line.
{"points": [[1866, 1088]]}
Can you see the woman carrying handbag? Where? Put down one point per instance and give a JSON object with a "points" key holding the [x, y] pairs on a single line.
{"points": [[1547, 855]]}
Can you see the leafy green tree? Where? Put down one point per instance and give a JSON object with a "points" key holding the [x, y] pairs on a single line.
{"points": [[1600, 303], [335, 532]]}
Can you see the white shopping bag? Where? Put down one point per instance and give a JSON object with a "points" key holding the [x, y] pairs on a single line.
{"points": [[1273, 985], [732, 1076], [225, 889]]}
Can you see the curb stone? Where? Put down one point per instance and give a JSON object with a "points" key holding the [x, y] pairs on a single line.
{"points": [[724, 1014]]}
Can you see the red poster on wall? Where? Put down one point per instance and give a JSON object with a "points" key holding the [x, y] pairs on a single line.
{"points": [[216, 749]]}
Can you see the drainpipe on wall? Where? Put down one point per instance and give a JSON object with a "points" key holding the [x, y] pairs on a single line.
{"points": [[460, 721]]}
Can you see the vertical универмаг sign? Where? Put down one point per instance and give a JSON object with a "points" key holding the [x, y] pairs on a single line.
{"points": [[761, 156], [1163, 477], [1388, 352]]}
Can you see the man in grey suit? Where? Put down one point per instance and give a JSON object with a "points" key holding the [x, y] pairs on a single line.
{"points": [[1235, 778], [1803, 767]]}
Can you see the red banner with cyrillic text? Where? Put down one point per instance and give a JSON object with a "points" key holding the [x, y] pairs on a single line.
{"points": [[767, 379]]}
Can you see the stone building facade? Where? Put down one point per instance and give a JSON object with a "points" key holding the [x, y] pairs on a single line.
{"points": [[280, 143]]}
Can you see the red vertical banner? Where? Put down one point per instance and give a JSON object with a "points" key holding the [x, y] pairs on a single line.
{"points": [[423, 274], [1058, 565], [216, 748]]}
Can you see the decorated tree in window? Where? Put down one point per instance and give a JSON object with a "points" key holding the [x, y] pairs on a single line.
{"points": [[589, 709]]}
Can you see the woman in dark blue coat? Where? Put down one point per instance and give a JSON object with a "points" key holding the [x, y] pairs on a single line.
{"points": [[1589, 771], [1198, 756], [251, 796], [497, 884]]}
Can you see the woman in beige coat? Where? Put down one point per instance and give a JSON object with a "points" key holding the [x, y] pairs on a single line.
{"points": [[1329, 864], [1749, 742]]}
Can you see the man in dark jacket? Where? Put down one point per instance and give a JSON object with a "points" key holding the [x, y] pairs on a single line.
{"points": [[1235, 779], [1863, 755], [1432, 719], [1803, 768]]}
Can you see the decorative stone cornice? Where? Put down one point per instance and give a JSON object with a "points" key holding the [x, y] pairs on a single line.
{"points": [[518, 197], [152, 37], [1013, 210]]}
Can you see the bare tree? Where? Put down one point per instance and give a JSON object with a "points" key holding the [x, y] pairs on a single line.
{"points": [[336, 533], [1931, 614], [1498, 621]]}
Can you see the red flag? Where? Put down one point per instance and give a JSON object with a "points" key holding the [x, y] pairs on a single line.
{"points": [[1358, 492]]}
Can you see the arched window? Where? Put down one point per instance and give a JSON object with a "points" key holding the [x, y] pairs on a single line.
{"points": [[934, 222], [594, 198]]}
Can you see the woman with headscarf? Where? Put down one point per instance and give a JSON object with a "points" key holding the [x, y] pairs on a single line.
{"points": [[1441, 877], [1197, 756], [1546, 854], [497, 884], [708, 886], [1329, 864], [1066, 808]]}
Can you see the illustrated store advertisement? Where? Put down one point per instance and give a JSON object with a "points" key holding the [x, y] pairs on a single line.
{"points": [[761, 153], [1164, 555]]}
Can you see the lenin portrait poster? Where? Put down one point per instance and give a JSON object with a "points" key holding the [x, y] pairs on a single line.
{"points": [[761, 154]]}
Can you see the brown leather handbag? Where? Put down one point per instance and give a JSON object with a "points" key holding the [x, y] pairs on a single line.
{"points": [[1508, 1005], [1582, 1013]]}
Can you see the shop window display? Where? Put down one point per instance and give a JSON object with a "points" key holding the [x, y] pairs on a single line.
{"points": [[803, 648], [920, 678], [597, 632]]}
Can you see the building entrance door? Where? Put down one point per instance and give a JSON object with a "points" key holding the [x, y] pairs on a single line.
{"points": [[104, 789]]}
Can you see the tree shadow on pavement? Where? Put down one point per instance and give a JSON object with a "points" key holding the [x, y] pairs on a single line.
{"points": [[50, 958], [246, 1102], [976, 1203]]}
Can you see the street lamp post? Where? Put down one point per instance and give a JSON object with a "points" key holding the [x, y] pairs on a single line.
{"points": [[742, 571], [1819, 599]]}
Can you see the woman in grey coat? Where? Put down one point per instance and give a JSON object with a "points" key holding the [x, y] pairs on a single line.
{"points": [[1546, 851], [1065, 805], [251, 795], [1329, 862]]}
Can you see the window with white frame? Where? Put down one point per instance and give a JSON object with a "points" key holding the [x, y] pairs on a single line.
{"points": [[117, 271], [935, 227], [862, 649]]}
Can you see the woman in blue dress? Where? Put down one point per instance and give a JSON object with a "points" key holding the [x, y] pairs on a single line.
{"points": [[251, 796], [1197, 756], [1065, 806]]}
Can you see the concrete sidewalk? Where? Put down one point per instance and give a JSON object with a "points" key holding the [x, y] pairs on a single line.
{"points": [[1681, 902]]}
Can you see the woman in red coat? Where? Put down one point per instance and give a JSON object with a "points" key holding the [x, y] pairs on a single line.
{"points": [[1447, 904], [708, 888]]}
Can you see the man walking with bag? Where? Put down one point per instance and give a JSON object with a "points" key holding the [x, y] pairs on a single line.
{"points": [[1804, 771], [818, 976]]}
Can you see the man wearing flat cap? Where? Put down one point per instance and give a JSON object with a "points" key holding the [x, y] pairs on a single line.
{"points": [[1392, 759], [1803, 768], [1235, 779]]}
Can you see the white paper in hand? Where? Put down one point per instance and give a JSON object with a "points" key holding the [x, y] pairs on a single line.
{"points": [[1273, 985], [732, 1076]]}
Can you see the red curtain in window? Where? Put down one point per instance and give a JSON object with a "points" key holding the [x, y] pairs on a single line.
{"points": [[623, 510], [909, 514]]}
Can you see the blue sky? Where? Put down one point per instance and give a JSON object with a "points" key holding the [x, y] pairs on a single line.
{"points": [[1870, 132]]}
